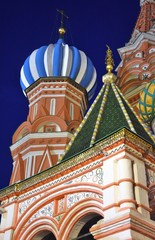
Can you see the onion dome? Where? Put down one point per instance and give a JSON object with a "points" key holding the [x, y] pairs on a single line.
{"points": [[146, 102], [57, 60]]}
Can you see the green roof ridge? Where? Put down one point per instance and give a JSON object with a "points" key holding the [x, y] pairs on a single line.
{"points": [[97, 124], [94, 113]]}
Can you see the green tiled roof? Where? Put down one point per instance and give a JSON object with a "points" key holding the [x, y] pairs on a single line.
{"points": [[109, 112]]}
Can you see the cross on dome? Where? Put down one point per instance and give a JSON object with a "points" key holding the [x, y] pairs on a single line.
{"points": [[62, 30], [59, 60]]}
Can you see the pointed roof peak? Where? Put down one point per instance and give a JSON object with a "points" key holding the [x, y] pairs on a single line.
{"points": [[109, 77], [109, 113]]}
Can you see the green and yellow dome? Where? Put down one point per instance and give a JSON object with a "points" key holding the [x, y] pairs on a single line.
{"points": [[146, 102]]}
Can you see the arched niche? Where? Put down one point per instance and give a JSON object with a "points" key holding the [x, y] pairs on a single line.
{"points": [[44, 235], [80, 231], [48, 127]]}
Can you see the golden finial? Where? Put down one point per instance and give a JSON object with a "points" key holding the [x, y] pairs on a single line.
{"points": [[109, 77], [62, 30], [109, 60]]}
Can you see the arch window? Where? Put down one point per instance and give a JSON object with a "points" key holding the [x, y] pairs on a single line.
{"points": [[83, 225], [52, 106], [152, 50], [50, 236], [138, 55], [44, 235], [71, 111]]}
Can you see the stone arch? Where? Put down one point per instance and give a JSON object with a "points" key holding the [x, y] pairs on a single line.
{"points": [[21, 131], [128, 65], [62, 124], [41, 226], [45, 199], [82, 228], [129, 75], [76, 217], [44, 235], [132, 84]]}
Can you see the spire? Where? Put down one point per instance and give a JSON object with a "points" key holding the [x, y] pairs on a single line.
{"points": [[146, 16], [62, 30], [145, 20]]}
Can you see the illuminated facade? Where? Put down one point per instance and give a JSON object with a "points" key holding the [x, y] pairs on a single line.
{"points": [[77, 175]]}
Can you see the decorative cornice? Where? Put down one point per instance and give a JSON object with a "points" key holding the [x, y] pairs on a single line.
{"points": [[132, 46], [31, 136], [55, 79], [100, 149]]}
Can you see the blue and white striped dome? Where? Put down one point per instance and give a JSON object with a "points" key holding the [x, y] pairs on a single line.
{"points": [[59, 60]]}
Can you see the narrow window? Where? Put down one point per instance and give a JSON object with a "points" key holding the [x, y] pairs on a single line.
{"points": [[35, 110], [28, 166], [71, 111], [52, 106]]}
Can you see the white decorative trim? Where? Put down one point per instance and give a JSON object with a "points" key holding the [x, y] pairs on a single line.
{"points": [[141, 38], [15, 167], [35, 110], [65, 178], [33, 164], [48, 55], [39, 153], [41, 135], [43, 160], [67, 60], [28, 166], [55, 96], [59, 88], [72, 111], [24, 80], [32, 64], [83, 67], [91, 84], [52, 106], [142, 2]]}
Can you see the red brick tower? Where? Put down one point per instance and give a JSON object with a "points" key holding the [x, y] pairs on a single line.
{"points": [[138, 65], [137, 69], [56, 108], [58, 81]]}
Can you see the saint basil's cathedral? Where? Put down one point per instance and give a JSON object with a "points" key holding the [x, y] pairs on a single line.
{"points": [[79, 172]]}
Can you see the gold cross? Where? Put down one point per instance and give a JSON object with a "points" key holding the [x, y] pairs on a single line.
{"points": [[62, 17]]}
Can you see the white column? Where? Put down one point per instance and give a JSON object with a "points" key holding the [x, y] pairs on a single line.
{"points": [[7, 222], [110, 188], [125, 180], [141, 190]]}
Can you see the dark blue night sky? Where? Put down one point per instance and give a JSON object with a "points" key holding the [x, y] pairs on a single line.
{"points": [[29, 24]]}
